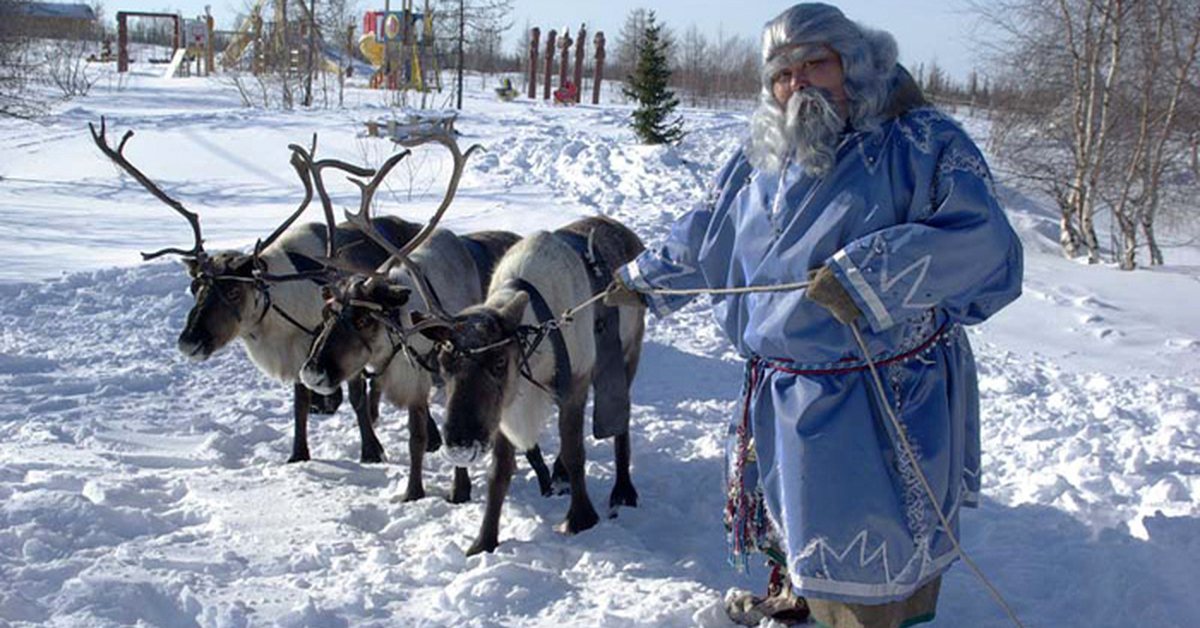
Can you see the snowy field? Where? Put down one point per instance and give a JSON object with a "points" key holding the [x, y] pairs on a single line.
{"points": [[139, 489]]}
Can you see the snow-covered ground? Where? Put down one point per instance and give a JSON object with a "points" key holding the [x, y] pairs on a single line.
{"points": [[139, 489]]}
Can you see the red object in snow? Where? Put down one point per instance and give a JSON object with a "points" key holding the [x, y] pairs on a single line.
{"points": [[565, 95]]}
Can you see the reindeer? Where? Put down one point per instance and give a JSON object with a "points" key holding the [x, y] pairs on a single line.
{"points": [[368, 325], [235, 296], [507, 360]]}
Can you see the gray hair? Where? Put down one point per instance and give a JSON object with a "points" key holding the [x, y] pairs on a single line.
{"points": [[868, 56], [868, 63]]}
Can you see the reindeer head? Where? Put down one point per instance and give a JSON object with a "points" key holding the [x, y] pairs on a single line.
{"points": [[479, 356], [223, 286], [230, 287], [363, 322]]}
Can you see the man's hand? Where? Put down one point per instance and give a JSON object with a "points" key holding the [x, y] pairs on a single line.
{"points": [[825, 289], [620, 295]]}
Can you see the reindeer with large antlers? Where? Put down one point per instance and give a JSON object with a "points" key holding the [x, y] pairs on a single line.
{"points": [[509, 360], [236, 296], [368, 321]]}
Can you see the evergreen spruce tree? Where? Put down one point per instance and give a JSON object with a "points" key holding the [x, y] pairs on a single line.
{"points": [[648, 86]]}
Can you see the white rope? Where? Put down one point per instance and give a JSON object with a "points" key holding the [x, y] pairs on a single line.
{"points": [[912, 457], [783, 287], [565, 319]]}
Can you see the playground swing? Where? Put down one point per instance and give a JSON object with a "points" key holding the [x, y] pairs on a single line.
{"points": [[506, 92]]}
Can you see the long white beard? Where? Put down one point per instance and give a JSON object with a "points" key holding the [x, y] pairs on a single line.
{"points": [[806, 132]]}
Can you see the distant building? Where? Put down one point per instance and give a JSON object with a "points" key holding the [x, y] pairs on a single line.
{"points": [[49, 19]]}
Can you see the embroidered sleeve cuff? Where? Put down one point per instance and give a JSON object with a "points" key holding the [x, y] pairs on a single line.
{"points": [[860, 290], [632, 275]]}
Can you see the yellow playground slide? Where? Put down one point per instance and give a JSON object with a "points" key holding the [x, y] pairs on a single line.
{"points": [[371, 49]]}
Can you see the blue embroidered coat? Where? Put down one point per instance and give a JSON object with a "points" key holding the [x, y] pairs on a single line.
{"points": [[909, 220]]}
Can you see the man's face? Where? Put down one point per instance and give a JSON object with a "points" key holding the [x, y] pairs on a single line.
{"points": [[811, 66]]}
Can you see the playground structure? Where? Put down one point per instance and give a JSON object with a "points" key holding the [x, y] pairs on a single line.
{"points": [[193, 40], [284, 44], [570, 88], [401, 45]]}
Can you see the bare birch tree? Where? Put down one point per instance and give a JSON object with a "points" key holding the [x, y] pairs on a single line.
{"points": [[1094, 112], [1062, 63]]}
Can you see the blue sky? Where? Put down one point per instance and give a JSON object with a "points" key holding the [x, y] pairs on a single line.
{"points": [[926, 30]]}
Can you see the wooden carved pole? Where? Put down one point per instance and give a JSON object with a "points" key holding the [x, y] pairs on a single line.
{"points": [[535, 37], [122, 43], [564, 63], [580, 42], [208, 44], [550, 37], [599, 72]]}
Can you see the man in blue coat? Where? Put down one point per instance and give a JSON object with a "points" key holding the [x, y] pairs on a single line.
{"points": [[851, 181]]}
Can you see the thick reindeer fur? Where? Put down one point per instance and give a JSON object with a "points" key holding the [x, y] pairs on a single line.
{"points": [[556, 270], [452, 272], [490, 401], [276, 345], [457, 277]]}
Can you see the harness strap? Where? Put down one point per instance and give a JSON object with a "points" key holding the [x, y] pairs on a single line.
{"points": [[562, 360], [610, 382]]}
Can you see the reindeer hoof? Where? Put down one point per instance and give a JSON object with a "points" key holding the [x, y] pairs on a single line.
{"points": [[299, 457], [372, 457], [578, 522], [622, 495], [412, 495], [480, 546], [459, 496]]}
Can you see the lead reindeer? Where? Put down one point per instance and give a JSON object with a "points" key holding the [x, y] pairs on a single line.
{"points": [[368, 325], [507, 362], [275, 320]]}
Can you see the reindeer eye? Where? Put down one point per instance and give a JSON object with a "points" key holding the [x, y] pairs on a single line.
{"points": [[232, 292], [361, 320], [499, 368]]}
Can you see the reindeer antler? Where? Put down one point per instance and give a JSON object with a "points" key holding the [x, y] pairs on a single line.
{"points": [[460, 162], [310, 174], [302, 163], [363, 221], [118, 157], [326, 203]]}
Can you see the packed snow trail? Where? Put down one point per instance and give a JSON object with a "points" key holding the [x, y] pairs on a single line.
{"points": [[136, 486]]}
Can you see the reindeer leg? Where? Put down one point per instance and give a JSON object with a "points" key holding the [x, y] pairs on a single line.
{"points": [[623, 493], [433, 441], [534, 456], [375, 391], [460, 493], [418, 417], [499, 477], [560, 480], [372, 450], [581, 514], [302, 400]]}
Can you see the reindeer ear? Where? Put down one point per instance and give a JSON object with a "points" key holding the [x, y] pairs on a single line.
{"points": [[393, 296], [437, 333], [242, 265], [513, 311], [193, 266]]}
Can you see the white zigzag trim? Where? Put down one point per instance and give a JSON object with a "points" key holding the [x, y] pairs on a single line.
{"points": [[916, 570]]}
